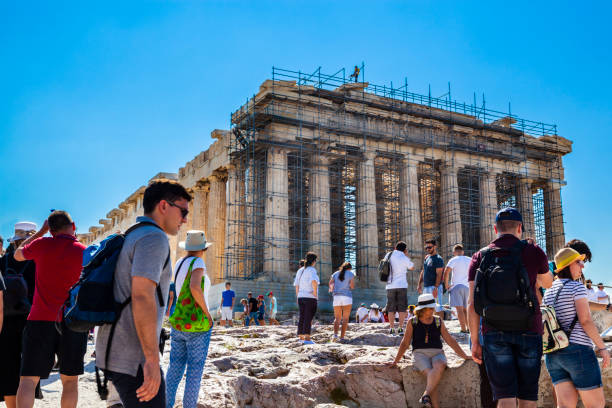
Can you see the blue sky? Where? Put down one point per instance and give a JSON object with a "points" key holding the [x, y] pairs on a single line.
{"points": [[95, 98]]}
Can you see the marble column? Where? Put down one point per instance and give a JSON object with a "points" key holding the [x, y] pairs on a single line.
{"points": [[488, 207], [410, 207], [200, 206], [215, 226], [450, 218], [555, 233], [319, 230], [525, 200], [276, 230], [234, 241], [367, 233]]}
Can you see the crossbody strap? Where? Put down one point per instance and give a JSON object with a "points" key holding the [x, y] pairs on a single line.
{"points": [[575, 320]]}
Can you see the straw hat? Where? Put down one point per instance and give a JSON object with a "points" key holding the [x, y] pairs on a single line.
{"points": [[426, 300], [23, 230], [567, 256], [195, 241]]}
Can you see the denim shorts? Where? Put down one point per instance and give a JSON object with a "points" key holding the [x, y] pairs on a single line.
{"points": [[513, 361], [576, 363]]}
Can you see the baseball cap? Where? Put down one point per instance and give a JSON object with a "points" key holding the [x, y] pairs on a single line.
{"points": [[508, 214]]}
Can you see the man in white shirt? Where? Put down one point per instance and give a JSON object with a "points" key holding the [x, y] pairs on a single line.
{"points": [[591, 296], [397, 285], [459, 289], [602, 296], [362, 313]]}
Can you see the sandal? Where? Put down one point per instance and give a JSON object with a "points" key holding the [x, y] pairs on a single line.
{"points": [[425, 401]]}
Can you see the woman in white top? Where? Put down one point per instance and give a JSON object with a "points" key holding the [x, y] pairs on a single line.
{"points": [[306, 290], [190, 336], [574, 369], [375, 315]]}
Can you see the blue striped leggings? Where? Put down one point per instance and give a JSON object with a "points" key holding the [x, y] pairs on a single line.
{"points": [[188, 350]]}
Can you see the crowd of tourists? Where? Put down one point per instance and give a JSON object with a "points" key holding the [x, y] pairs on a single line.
{"points": [[497, 295]]}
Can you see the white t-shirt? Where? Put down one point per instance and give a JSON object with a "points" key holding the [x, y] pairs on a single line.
{"points": [[303, 280], [599, 294], [400, 264], [361, 313], [460, 266], [591, 296], [374, 318], [180, 277]]}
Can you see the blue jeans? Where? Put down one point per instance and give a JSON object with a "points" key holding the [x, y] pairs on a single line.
{"points": [[576, 363], [252, 315], [513, 361], [188, 350]]}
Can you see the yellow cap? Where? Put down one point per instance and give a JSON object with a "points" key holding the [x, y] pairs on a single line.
{"points": [[565, 257]]}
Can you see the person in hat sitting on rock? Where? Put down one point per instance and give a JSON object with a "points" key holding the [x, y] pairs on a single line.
{"points": [[375, 314], [361, 314], [191, 321], [425, 332]]}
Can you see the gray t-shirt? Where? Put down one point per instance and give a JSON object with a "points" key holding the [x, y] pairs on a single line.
{"points": [[343, 287], [144, 254]]}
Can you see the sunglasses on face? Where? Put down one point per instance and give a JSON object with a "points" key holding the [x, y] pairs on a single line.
{"points": [[428, 247], [184, 211]]}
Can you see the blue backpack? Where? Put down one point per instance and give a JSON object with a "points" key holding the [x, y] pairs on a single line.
{"points": [[91, 301]]}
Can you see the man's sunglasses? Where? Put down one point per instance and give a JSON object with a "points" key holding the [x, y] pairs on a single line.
{"points": [[184, 211], [428, 247]]}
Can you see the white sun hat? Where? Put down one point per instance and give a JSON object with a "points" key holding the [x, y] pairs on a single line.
{"points": [[23, 230], [195, 241], [374, 306], [426, 300]]}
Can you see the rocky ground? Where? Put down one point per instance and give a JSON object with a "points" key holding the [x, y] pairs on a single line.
{"points": [[268, 367]]}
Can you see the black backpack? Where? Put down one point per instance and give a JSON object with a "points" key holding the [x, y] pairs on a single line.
{"points": [[502, 293], [16, 301], [384, 268]]}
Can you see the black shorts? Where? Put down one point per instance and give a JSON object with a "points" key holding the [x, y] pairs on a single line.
{"points": [[42, 341], [397, 300]]}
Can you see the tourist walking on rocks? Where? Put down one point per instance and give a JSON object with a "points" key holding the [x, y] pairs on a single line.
{"points": [[574, 370], [430, 280], [375, 315], [261, 310], [512, 326], [252, 309], [459, 290], [191, 322], [227, 305], [425, 333], [143, 275], [58, 266], [245, 311], [19, 280], [361, 314], [397, 286], [272, 308], [341, 284], [306, 290]]}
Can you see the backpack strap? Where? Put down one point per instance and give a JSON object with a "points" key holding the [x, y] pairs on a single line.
{"points": [[575, 320], [437, 320]]}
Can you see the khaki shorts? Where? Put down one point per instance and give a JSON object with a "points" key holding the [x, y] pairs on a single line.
{"points": [[424, 358]]}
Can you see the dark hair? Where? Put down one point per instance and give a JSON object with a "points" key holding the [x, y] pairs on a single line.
{"points": [[228, 283], [343, 268], [565, 273], [163, 190], [581, 247], [401, 246], [431, 241], [458, 247], [302, 263], [507, 225], [58, 220], [310, 258]]}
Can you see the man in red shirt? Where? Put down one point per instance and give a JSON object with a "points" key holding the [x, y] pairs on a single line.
{"points": [[58, 266]]}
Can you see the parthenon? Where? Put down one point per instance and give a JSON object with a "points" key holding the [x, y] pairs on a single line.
{"points": [[316, 163]]}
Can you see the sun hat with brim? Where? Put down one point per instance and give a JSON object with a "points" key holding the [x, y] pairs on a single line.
{"points": [[426, 300], [23, 230], [195, 241], [567, 256], [374, 306]]}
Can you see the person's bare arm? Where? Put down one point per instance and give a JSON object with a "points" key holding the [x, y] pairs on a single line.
{"points": [[352, 284], [420, 285], [195, 287], [144, 310], [18, 254], [584, 317], [170, 300], [404, 345], [439, 272], [315, 286], [450, 340], [474, 325], [545, 280], [447, 274]]}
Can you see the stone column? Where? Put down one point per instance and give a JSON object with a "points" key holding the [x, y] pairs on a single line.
{"points": [[450, 218], [488, 207], [319, 231], [276, 230], [215, 226], [410, 206], [200, 206], [555, 233], [525, 200], [367, 233], [234, 241]]}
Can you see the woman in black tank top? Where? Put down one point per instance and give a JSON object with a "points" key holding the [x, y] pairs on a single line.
{"points": [[425, 332]]}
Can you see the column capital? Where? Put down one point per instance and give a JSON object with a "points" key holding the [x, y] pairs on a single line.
{"points": [[202, 186], [448, 167], [320, 160], [369, 155]]}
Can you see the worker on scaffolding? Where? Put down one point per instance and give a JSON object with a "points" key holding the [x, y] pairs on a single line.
{"points": [[355, 73]]}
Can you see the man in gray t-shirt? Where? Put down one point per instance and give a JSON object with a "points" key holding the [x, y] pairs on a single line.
{"points": [[143, 273]]}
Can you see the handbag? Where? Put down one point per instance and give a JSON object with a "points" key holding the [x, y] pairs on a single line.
{"points": [[188, 316], [554, 337]]}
